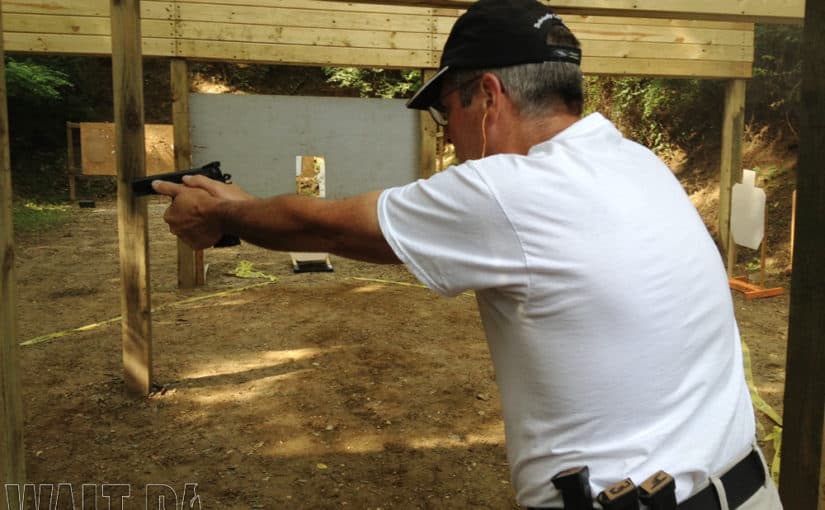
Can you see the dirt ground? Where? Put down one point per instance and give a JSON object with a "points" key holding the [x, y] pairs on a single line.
{"points": [[351, 389]]}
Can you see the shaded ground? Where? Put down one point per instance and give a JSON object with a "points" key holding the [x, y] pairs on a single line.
{"points": [[326, 390]]}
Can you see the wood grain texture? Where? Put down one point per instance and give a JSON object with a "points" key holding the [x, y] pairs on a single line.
{"points": [[130, 157]]}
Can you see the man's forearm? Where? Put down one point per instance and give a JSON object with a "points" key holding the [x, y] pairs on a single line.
{"points": [[346, 227]]}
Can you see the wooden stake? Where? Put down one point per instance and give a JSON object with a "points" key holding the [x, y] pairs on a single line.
{"points": [[793, 225], [12, 453], [763, 257], [189, 265], [130, 156]]}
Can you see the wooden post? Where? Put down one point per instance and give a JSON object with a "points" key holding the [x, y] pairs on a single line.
{"points": [[12, 454], [429, 133], [188, 267], [130, 157], [802, 473], [733, 129]]}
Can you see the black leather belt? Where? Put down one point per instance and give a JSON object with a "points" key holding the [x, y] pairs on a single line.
{"points": [[740, 483]]}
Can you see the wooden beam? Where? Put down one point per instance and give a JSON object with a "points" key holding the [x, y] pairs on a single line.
{"points": [[733, 129], [12, 453], [802, 473], [187, 260], [130, 153], [758, 11]]}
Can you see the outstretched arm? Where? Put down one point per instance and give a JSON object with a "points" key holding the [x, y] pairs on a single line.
{"points": [[204, 209]]}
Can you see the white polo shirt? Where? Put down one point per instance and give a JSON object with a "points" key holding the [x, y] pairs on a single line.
{"points": [[605, 304]]}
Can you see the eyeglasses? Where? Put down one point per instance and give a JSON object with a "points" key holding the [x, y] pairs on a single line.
{"points": [[438, 112]]}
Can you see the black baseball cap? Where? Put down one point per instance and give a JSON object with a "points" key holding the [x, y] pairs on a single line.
{"points": [[497, 33]]}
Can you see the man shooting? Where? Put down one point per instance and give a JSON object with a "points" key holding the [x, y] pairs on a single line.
{"points": [[603, 297]]}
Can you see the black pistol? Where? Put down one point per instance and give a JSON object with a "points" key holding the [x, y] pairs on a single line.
{"points": [[143, 186]]}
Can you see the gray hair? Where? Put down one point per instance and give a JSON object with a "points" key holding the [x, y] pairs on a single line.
{"points": [[535, 89], [538, 89]]}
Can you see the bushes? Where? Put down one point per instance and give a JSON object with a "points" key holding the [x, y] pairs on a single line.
{"points": [[667, 113], [662, 114]]}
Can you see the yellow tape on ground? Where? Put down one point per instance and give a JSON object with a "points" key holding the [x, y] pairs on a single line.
{"points": [[776, 436], [405, 284], [387, 282], [759, 403], [244, 270]]}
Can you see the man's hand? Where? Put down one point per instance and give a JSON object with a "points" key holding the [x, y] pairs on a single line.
{"points": [[193, 215]]}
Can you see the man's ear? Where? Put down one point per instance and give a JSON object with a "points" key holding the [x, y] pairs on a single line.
{"points": [[491, 90]]}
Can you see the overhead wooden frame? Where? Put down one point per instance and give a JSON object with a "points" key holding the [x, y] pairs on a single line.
{"points": [[329, 33]]}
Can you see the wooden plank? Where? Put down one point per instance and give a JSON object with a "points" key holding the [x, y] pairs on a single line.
{"points": [[97, 148], [127, 81], [306, 55], [58, 7], [733, 129], [759, 11], [231, 32], [752, 291], [179, 73], [276, 17], [574, 20], [80, 44], [12, 452], [802, 473], [51, 24], [652, 50], [425, 41], [666, 68], [661, 33], [334, 6]]}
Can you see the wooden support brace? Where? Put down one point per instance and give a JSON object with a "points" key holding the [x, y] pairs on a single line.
{"points": [[12, 453], [752, 291], [130, 155]]}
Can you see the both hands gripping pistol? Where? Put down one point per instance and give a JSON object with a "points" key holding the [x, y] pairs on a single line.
{"points": [[142, 187]]}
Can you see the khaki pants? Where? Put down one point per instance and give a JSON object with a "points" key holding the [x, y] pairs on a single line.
{"points": [[766, 498]]}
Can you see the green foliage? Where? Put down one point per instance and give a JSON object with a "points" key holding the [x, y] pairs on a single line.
{"points": [[774, 92], [662, 114], [36, 217], [374, 82], [34, 82]]}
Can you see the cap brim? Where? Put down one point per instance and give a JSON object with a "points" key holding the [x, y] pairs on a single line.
{"points": [[427, 95]]}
